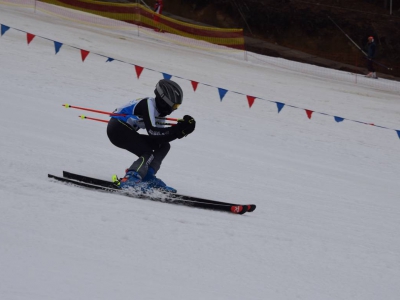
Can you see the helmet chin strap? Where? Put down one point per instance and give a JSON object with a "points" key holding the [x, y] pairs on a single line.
{"points": [[162, 106]]}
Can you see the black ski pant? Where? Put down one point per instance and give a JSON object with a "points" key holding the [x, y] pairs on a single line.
{"points": [[370, 65], [150, 151]]}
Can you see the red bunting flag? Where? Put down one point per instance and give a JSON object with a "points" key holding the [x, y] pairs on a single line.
{"points": [[29, 37], [309, 113], [84, 54], [251, 99], [194, 84], [138, 71]]}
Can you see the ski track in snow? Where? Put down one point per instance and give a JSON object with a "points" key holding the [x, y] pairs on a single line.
{"points": [[327, 219]]}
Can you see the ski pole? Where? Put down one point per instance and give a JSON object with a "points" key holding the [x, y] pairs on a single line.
{"points": [[93, 119], [169, 124], [382, 65], [106, 121], [92, 110], [108, 113]]}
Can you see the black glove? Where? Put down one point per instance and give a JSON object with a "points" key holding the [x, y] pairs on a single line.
{"points": [[185, 126], [178, 130], [190, 124], [187, 118]]}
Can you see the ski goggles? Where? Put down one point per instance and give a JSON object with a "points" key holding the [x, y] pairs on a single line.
{"points": [[175, 106], [172, 105]]}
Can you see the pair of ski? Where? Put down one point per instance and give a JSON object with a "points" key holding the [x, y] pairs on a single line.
{"points": [[108, 186]]}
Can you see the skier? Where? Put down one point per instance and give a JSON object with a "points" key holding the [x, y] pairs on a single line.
{"points": [[370, 56], [153, 147]]}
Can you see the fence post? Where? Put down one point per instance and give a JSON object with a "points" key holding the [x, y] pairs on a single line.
{"points": [[138, 20]]}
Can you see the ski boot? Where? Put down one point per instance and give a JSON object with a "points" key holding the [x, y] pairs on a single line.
{"points": [[130, 180], [153, 182]]}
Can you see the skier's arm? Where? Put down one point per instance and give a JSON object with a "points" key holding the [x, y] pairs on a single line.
{"points": [[161, 134]]}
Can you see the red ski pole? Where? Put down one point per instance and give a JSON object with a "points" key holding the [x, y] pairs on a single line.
{"points": [[94, 119], [106, 121], [92, 110]]}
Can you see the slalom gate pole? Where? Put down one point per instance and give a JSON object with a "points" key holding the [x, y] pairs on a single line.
{"points": [[106, 121], [366, 55], [108, 113]]}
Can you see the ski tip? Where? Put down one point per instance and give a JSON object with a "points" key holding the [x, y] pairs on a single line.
{"points": [[239, 209], [251, 207]]}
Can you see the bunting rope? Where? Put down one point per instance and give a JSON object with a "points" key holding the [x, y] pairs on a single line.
{"points": [[221, 91]]}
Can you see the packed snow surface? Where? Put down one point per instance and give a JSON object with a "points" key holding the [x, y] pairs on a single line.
{"points": [[327, 193]]}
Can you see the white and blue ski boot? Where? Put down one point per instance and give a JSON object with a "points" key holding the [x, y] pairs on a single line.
{"points": [[153, 182], [130, 180]]}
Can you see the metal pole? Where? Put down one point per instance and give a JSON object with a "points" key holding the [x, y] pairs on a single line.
{"points": [[139, 17], [347, 36], [390, 6], [145, 4]]}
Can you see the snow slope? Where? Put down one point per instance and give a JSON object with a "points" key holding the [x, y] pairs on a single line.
{"points": [[327, 220]]}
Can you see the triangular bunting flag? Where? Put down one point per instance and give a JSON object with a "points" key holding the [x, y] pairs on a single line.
{"points": [[84, 54], [166, 76], [280, 105], [109, 59], [309, 113], [398, 133], [138, 71], [251, 99], [339, 119], [194, 84], [4, 28], [58, 46], [29, 37], [222, 93]]}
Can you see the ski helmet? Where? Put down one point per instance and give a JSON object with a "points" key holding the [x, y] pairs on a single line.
{"points": [[169, 96]]}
